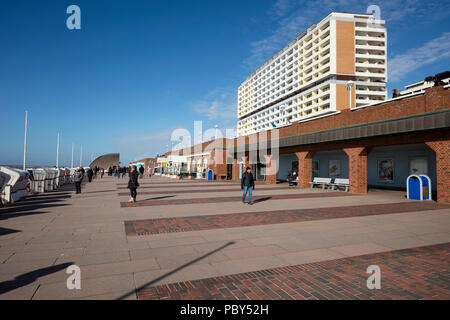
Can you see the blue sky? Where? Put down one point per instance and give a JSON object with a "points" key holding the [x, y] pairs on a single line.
{"points": [[139, 69]]}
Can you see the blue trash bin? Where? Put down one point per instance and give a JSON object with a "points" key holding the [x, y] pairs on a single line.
{"points": [[418, 187], [210, 175]]}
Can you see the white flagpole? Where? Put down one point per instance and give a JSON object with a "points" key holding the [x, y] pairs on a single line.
{"points": [[72, 156], [57, 152], [25, 142], [81, 154]]}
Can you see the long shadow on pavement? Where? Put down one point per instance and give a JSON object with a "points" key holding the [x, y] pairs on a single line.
{"points": [[262, 199], [30, 277], [175, 270], [23, 214], [17, 209], [5, 231], [158, 198]]}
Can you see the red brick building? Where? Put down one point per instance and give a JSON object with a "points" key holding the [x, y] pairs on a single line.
{"points": [[362, 144]]}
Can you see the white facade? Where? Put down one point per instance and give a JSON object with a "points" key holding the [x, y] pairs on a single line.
{"points": [[419, 87], [299, 82]]}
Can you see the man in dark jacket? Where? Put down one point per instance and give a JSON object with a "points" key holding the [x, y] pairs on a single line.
{"points": [[141, 171], [133, 183], [248, 185], [90, 174]]}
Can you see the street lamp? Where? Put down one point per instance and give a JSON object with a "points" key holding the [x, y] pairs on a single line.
{"points": [[349, 89]]}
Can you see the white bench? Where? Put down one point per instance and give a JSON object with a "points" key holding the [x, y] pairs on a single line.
{"points": [[324, 182], [338, 182]]}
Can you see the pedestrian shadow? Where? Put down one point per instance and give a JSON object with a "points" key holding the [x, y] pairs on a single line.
{"points": [[262, 199], [159, 198], [5, 231], [17, 215], [31, 207], [42, 198], [175, 270], [30, 202], [100, 191], [30, 277]]}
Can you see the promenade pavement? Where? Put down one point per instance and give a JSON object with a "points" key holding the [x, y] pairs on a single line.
{"points": [[196, 239]]}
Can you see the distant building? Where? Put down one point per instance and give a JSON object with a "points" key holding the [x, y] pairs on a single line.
{"points": [[105, 161], [419, 87], [146, 163]]}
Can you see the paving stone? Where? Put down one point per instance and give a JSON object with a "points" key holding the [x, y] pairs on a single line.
{"points": [[406, 274]]}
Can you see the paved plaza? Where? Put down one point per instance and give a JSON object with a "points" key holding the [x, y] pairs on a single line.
{"points": [[193, 239]]}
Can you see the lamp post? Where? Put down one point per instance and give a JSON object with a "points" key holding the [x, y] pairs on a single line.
{"points": [[349, 89], [81, 154], [57, 152], [25, 142]]}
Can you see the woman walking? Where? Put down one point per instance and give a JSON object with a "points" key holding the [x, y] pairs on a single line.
{"points": [[133, 183], [78, 178]]}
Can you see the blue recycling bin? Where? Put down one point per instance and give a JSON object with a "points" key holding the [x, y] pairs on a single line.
{"points": [[418, 187], [210, 175]]}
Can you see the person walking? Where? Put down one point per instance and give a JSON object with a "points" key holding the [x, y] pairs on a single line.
{"points": [[133, 183], [141, 171], [78, 178], [247, 184], [90, 173], [102, 172]]}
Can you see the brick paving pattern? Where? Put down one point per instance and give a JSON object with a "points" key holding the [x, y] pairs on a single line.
{"points": [[417, 273], [183, 224], [198, 191], [147, 203]]}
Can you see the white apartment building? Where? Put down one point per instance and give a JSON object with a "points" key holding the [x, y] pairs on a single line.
{"points": [[309, 77], [419, 87]]}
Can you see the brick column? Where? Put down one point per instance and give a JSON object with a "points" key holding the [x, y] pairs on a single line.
{"points": [[357, 166], [220, 163], [246, 162], [271, 169], [235, 174], [442, 150], [304, 168]]}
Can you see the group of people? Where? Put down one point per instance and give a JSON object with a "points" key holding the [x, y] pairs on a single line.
{"points": [[133, 184], [80, 173], [247, 181]]}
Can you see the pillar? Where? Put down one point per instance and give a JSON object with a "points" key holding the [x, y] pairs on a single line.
{"points": [[245, 162], [271, 169], [357, 166], [304, 168], [235, 174], [442, 150]]}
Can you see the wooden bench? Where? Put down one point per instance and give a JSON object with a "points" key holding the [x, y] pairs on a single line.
{"points": [[340, 183], [324, 182]]}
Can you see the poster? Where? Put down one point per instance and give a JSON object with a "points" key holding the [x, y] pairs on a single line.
{"points": [[418, 165], [386, 170], [295, 166], [315, 168], [334, 168]]}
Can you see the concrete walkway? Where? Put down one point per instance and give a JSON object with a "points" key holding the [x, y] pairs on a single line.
{"points": [[42, 236]]}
